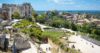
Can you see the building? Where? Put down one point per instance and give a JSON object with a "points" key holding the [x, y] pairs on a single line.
{"points": [[97, 23], [0, 12], [25, 10], [5, 14], [75, 18]]}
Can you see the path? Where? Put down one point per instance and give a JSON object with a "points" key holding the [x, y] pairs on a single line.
{"points": [[33, 49], [83, 45]]}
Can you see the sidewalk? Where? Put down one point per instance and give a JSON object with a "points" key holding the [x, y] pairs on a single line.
{"points": [[33, 49]]}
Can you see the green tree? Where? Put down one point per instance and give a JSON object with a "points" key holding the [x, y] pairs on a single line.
{"points": [[16, 15], [67, 24], [86, 28], [97, 32], [41, 18], [57, 22], [74, 27], [34, 14]]}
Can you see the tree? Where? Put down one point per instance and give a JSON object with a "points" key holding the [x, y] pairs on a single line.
{"points": [[97, 32], [86, 28], [52, 13], [67, 24], [93, 31], [31, 19], [41, 18], [16, 15], [74, 27], [57, 22], [34, 14]]}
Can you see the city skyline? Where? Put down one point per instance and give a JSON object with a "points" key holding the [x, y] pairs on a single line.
{"points": [[58, 4]]}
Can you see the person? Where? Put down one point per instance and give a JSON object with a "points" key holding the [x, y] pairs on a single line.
{"points": [[49, 48], [6, 42], [40, 50], [73, 46], [14, 49], [46, 49], [92, 46]]}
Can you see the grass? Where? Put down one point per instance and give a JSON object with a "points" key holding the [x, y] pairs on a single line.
{"points": [[54, 36]]}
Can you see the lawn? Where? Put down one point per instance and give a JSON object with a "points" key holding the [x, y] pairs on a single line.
{"points": [[54, 36]]}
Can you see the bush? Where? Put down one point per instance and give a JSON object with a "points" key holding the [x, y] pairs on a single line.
{"points": [[28, 27]]}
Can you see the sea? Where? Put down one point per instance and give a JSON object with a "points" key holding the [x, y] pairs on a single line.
{"points": [[76, 11]]}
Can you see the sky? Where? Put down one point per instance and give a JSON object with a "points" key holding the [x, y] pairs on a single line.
{"points": [[58, 4]]}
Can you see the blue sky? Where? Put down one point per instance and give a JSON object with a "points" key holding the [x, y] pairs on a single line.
{"points": [[59, 4]]}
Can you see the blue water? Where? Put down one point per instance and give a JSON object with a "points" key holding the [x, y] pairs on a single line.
{"points": [[76, 11]]}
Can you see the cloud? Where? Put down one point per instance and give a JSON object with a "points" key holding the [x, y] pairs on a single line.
{"points": [[63, 1]]}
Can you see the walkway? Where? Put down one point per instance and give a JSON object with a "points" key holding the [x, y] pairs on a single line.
{"points": [[33, 49], [83, 45]]}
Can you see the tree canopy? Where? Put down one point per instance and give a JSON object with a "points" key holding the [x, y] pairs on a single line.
{"points": [[16, 15]]}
